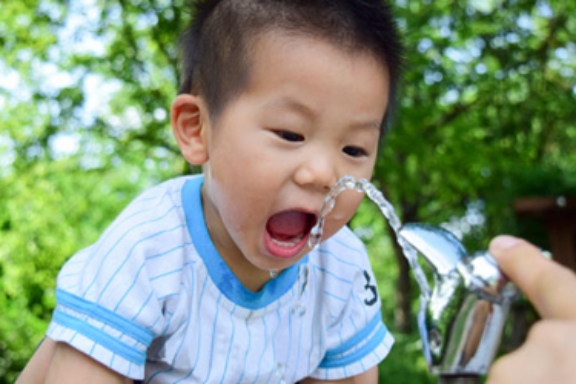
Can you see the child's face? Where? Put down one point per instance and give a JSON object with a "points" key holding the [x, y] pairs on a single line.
{"points": [[310, 114]]}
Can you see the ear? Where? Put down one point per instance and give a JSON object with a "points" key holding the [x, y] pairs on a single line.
{"points": [[190, 124]]}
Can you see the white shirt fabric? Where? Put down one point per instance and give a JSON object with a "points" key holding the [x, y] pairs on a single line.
{"points": [[153, 300]]}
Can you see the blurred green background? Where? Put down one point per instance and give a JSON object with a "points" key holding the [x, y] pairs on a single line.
{"points": [[487, 115]]}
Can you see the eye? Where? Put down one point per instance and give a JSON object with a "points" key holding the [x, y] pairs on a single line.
{"points": [[289, 136], [354, 151]]}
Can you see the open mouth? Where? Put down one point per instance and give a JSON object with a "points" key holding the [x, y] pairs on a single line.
{"points": [[287, 232]]}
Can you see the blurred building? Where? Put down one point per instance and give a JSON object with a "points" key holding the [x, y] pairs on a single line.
{"points": [[559, 217]]}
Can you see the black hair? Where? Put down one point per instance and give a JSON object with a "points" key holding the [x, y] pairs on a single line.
{"points": [[215, 48]]}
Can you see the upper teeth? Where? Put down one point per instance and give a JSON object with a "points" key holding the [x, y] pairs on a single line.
{"points": [[289, 243]]}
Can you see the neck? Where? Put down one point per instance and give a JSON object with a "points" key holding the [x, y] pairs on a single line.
{"points": [[251, 277]]}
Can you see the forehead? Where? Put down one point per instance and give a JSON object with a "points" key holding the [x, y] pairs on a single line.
{"points": [[266, 43], [313, 71]]}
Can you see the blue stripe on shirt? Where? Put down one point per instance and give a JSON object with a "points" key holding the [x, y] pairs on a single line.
{"points": [[265, 333], [348, 246], [332, 274], [357, 338], [248, 348], [334, 296], [275, 337], [298, 354], [103, 260], [130, 287], [130, 253], [115, 225], [358, 354], [102, 338], [213, 338], [105, 315], [230, 344], [339, 259]]}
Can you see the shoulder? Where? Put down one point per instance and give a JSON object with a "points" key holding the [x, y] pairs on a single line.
{"points": [[149, 233], [155, 212], [132, 285], [167, 193]]}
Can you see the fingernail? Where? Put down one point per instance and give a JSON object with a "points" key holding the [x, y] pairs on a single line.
{"points": [[546, 254], [503, 242]]}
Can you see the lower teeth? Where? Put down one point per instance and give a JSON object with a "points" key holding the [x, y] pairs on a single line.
{"points": [[290, 243]]}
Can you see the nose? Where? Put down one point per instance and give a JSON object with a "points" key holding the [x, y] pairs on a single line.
{"points": [[317, 171]]}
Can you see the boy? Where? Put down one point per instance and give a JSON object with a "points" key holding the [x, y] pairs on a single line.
{"points": [[209, 278]]}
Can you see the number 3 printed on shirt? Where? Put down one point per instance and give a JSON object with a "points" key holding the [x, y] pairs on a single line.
{"points": [[373, 291]]}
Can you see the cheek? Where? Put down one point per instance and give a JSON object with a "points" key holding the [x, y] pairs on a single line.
{"points": [[348, 203], [240, 202], [345, 209]]}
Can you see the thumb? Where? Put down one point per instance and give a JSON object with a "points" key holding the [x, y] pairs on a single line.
{"points": [[548, 285]]}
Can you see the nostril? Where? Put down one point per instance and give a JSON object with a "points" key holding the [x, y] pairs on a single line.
{"points": [[328, 183]]}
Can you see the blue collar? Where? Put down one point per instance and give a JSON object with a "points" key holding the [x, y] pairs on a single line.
{"points": [[217, 268]]}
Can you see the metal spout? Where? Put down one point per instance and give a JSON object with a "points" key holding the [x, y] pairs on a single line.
{"points": [[462, 323], [439, 247]]}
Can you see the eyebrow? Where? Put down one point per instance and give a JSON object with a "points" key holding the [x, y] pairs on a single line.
{"points": [[294, 105], [371, 125], [309, 113]]}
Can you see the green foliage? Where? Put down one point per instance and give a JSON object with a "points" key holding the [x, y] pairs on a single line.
{"points": [[406, 364], [486, 92], [486, 115], [46, 215]]}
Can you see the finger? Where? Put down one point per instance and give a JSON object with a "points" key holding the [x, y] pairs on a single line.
{"points": [[547, 356], [519, 367], [548, 285]]}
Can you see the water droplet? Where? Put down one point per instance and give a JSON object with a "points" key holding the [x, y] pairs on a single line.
{"points": [[273, 273], [316, 234], [298, 310], [360, 185], [302, 278], [330, 205], [280, 371], [350, 184]]}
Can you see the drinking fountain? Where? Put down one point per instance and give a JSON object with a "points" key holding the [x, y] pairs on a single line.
{"points": [[461, 323]]}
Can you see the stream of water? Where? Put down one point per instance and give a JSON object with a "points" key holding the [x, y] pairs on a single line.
{"points": [[387, 210]]}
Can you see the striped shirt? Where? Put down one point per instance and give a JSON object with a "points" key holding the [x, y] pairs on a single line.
{"points": [[153, 300]]}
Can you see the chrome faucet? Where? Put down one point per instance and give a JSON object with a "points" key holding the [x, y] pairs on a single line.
{"points": [[462, 323]]}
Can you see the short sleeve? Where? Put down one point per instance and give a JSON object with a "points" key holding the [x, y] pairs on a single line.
{"points": [[357, 339], [114, 297]]}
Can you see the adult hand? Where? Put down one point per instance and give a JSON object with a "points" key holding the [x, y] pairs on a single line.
{"points": [[549, 353]]}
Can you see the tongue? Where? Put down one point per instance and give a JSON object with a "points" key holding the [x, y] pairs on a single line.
{"points": [[287, 224]]}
